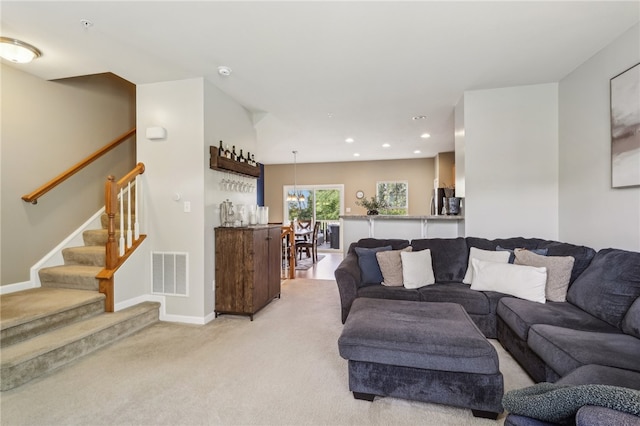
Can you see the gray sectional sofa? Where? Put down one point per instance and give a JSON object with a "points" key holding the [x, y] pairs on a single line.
{"points": [[597, 328]]}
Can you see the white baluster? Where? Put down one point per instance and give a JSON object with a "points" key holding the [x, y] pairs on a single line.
{"points": [[129, 233], [136, 225], [121, 244]]}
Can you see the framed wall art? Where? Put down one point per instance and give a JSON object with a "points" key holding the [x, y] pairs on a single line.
{"points": [[625, 128]]}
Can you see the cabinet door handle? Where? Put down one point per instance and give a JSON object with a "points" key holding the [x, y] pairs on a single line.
{"points": [[269, 238]]}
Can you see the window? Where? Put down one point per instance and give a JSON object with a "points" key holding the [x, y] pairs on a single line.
{"points": [[395, 195]]}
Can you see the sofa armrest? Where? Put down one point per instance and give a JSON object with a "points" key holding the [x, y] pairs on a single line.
{"points": [[348, 278]]}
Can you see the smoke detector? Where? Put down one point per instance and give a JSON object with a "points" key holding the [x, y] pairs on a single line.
{"points": [[224, 71]]}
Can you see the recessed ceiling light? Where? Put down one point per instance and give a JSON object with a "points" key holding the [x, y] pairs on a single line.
{"points": [[385, 145], [224, 71], [425, 136], [18, 51], [330, 114], [356, 155], [417, 151], [349, 140], [419, 117]]}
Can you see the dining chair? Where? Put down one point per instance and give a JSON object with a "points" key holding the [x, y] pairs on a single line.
{"points": [[310, 245]]}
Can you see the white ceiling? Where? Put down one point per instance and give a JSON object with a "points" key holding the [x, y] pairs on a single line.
{"points": [[372, 65]]}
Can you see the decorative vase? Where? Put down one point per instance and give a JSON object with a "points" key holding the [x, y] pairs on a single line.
{"points": [[372, 212], [453, 205]]}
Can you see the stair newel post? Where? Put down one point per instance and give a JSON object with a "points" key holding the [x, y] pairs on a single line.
{"points": [[106, 282], [111, 200]]}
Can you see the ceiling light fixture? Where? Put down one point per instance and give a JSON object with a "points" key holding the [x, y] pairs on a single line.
{"points": [[425, 136], [349, 140], [417, 151], [385, 145], [419, 117], [224, 71], [356, 155], [18, 51]]}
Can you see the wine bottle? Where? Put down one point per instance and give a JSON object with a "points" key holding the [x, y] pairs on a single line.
{"points": [[249, 159], [241, 158], [234, 156], [227, 153], [220, 150], [253, 160]]}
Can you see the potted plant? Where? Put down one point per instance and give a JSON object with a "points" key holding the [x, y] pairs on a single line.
{"points": [[373, 205]]}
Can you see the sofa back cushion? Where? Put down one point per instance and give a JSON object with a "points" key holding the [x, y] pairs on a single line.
{"points": [[582, 255], [395, 244], [631, 321], [449, 257], [609, 286]]}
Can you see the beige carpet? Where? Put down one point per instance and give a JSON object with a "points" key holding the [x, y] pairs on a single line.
{"points": [[281, 369]]}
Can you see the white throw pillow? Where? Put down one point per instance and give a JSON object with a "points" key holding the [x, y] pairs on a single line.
{"points": [[417, 270], [525, 282], [488, 255]]}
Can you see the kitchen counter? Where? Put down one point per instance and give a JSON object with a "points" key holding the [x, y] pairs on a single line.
{"points": [[355, 227]]}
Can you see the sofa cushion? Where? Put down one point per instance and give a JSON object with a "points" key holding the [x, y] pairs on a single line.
{"points": [[449, 256], [581, 254], [602, 375], [520, 314], [416, 269], [609, 286], [390, 264], [565, 349], [525, 282], [558, 272], [378, 291], [396, 244], [486, 255], [631, 321], [369, 268], [474, 302]]}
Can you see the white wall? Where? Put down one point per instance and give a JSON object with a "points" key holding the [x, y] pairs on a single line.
{"points": [[174, 166], [459, 133], [590, 211], [196, 115], [511, 162]]}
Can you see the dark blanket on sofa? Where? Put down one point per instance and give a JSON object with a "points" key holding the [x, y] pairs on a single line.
{"points": [[557, 403]]}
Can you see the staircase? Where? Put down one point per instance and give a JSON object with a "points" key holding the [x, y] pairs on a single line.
{"points": [[44, 328]]}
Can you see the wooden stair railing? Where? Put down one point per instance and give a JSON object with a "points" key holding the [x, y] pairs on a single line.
{"points": [[117, 252], [33, 197]]}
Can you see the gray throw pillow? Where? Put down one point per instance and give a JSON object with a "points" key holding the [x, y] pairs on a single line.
{"points": [[369, 268], [558, 272], [390, 264]]}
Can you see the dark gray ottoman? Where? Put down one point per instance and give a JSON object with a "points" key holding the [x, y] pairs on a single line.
{"points": [[422, 351]]}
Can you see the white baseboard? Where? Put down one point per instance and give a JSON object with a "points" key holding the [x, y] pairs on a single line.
{"points": [[54, 257], [163, 310]]}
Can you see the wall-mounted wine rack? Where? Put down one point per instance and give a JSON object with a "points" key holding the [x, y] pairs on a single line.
{"points": [[224, 164]]}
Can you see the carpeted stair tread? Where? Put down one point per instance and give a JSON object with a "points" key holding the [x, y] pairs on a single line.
{"points": [[27, 360], [97, 237], [37, 303], [81, 277], [104, 220], [84, 255]]}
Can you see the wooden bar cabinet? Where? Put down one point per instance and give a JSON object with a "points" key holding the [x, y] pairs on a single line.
{"points": [[248, 262]]}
